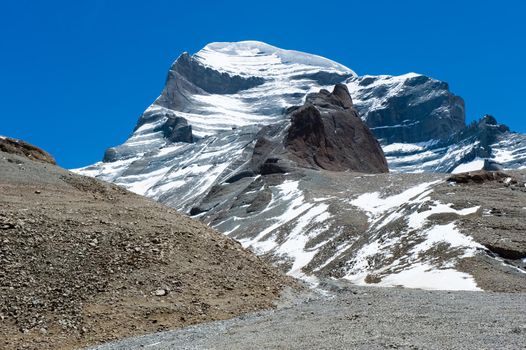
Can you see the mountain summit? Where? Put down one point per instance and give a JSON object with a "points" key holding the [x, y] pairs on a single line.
{"points": [[287, 152]]}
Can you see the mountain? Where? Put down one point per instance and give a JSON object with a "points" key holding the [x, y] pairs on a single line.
{"points": [[288, 153], [84, 261]]}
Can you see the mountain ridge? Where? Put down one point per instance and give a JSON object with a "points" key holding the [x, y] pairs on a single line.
{"points": [[237, 175]]}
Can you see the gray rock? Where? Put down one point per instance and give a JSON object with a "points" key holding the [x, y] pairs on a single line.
{"points": [[176, 129], [422, 109], [210, 80]]}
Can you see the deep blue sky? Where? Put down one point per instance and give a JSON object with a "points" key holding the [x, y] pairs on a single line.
{"points": [[75, 75]]}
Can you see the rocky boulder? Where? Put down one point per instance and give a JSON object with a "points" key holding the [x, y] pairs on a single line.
{"points": [[482, 176], [176, 129], [328, 133]]}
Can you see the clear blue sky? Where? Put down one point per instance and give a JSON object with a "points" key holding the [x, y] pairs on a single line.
{"points": [[75, 75]]}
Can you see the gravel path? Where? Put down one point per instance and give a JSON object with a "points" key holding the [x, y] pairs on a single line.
{"points": [[362, 318]]}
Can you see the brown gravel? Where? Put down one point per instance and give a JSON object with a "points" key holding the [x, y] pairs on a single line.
{"points": [[24, 149], [82, 262]]}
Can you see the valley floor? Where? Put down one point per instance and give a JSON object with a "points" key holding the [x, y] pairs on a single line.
{"points": [[355, 317]]}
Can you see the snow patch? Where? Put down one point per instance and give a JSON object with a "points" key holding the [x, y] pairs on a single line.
{"points": [[476, 164], [304, 220], [424, 276], [415, 267]]}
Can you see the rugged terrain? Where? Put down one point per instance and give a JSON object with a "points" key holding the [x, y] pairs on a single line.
{"points": [[362, 318], [24, 149], [83, 261], [267, 146], [414, 230], [206, 122]]}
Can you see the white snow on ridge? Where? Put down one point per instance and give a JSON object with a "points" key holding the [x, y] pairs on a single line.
{"points": [[374, 205], [300, 221], [255, 58], [431, 158], [416, 267], [405, 148], [449, 234], [213, 117], [304, 221], [361, 94], [511, 152]]}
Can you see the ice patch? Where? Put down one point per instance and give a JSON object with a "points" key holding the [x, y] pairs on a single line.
{"points": [[374, 205], [476, 164], [424, 276], [407, 147]]}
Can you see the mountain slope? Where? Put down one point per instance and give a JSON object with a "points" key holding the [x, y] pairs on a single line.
{"points": [[83, 261], [196, 135], [244, 137]]}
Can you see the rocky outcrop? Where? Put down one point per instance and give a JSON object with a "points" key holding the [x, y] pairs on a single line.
{"points": [[211, 80], [327, 133], [410, 108], [482, 176], [485, 131], [269, 155], [176, 129], [21, 148], [477, 177]]}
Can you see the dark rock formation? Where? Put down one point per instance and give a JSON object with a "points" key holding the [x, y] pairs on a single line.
{"points": [[328, 133], [482, 176], [422, 109], [323, 78], [479, 176], [269, 155], [25, 149], [111, 155], [482, 134], [512, 253], [176, 129], [486, 131], [210, 80]]}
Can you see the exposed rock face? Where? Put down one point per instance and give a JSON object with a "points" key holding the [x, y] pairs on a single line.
{"points": [[210, 80], [328, 133], [257, 167], [481, 176], [21, 148], [323, 78], [410, 108], [485, 131], [176, 129], [483, 144]]}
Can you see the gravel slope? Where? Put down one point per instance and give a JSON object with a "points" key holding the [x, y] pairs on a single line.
{"points": [[362, 318], [82, 261]]}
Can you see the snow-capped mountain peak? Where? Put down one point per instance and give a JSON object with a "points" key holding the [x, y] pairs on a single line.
{"points": [[218, 144], [255, 58]]}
